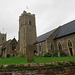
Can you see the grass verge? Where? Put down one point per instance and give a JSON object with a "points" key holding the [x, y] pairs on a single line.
{"points": [[21, 60]]}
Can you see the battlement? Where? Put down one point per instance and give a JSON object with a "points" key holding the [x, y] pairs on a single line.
{"points": [[2, 33], [26, 13]]}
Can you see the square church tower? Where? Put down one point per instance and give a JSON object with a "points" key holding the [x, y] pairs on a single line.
{"points": [[27, 31], [2, 38]]}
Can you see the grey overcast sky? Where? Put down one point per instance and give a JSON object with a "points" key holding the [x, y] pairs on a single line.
{"points": [[49, 14]]}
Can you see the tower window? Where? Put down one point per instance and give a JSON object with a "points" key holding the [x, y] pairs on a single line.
{"points": [[2, 38], [30, 23]]}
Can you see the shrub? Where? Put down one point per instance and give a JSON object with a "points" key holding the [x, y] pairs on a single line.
{"points": [[47, 54], [62, 53], [8, 55]]}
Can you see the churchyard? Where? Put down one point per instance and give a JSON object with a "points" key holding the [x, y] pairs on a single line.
{"points": [[37, 59]]}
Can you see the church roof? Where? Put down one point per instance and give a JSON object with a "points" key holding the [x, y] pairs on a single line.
{"points": [[64, 30], [5, 44], [43, 37]]}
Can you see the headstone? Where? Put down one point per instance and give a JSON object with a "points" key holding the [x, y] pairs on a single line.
{"points": [[30, 53], [58, 54]]}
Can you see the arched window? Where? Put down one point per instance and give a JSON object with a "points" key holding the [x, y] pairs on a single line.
{"points": [[69, 44], [2, 38], [39, 47], [30, 23], [70, 47], [60, 47], [52, 47]]}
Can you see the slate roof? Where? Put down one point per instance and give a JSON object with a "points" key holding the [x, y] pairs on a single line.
{"points": [[44, 36], [64, 30], [5, 44]]}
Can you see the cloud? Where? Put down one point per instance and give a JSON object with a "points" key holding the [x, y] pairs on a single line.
{"points": [[49, 14]]}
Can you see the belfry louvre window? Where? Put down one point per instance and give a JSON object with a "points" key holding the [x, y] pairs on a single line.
{"points": [[30, 23], [2, 38], [60, 47]]}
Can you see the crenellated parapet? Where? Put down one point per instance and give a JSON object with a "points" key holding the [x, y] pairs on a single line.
{"points": [[26, 13]]}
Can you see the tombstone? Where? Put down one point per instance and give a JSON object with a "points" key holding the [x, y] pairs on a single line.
{"points": [[30, 53], [58, 53]]}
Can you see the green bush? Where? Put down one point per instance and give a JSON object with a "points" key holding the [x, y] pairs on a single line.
{"points": [[62, 53], [47, 54]]}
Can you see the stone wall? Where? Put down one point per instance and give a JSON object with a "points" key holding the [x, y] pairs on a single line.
{"points": [[64, 43], [54, 71], [51, 41], [41, 48], [46, 45]]}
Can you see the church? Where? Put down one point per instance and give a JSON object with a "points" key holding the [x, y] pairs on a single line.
{"points": [[61, 38]]}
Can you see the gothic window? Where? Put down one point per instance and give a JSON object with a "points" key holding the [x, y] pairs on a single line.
{"points": [[70, 47], [52, 47], [60, 47], [69, 44], [39, 47], [30, 23], [2, 38]]}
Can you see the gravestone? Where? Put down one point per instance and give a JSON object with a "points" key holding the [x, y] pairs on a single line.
{"points": [[30, 53], [58, 53]]}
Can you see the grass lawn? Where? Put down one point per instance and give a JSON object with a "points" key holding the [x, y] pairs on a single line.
{"points": [[22, 60]]}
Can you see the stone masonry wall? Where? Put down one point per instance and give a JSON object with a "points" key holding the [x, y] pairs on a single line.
{"points": [[64, 43], [41, 51], [54, 71]]}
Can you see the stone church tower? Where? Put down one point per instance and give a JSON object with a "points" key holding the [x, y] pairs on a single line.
{"points": [[2, 38], [27, 31]]}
